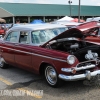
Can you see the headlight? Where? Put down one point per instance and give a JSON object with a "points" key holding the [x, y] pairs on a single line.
{"points": [[70, 59]]}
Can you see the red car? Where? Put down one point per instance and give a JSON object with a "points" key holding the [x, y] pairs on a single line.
{"points": [[91, 30], [2, 31], [42, 50], [87, 25]]}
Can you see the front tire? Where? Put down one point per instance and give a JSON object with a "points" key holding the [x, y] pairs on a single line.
{"points": [[51, 76], [3, 65]]}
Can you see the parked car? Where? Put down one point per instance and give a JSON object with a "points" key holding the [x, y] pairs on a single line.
{"points": [[42, 50], [91, 30], [2, 30], [87, 25], [93, 19]]}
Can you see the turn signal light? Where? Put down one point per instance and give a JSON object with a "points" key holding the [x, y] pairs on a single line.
{"points": [[73, 71]]}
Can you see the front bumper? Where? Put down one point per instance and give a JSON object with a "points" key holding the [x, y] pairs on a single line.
{"points": [[86, 75]]}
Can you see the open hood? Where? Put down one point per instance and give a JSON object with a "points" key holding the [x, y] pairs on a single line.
{"points": [[73, 32]]}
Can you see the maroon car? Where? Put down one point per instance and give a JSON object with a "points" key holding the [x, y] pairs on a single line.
{"points": [[2, 31], [43, 50], [91, 30]]}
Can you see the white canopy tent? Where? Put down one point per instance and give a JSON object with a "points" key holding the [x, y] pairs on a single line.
{"points": [[66, 18], [68, 21]]}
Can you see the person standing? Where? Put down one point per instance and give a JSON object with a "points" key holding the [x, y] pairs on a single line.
{"points": [[17, 21]]}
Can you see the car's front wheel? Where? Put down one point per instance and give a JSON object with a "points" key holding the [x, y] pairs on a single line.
{"points": [[51, 76], [2, 63]]}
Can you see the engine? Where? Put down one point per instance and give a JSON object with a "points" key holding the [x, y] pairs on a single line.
{"points": [[82, 50], [91, 55]]}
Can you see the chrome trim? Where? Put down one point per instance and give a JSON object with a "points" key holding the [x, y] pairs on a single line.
{"points": [[86, 75], [85, 67], [67, 39], [68, 70], [35, 54], [78, 69], [87, 62], [53, 41], [49, 57]]}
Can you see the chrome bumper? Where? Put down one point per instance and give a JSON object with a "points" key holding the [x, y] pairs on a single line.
{"points": [[86, 75]]}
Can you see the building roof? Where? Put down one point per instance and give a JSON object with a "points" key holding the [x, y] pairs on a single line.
{"points": [[26, 9]]}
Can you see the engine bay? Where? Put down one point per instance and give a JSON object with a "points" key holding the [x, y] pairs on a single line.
{"points": [[84, 51]]}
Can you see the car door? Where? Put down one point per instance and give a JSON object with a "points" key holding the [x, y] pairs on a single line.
{"points": [[23, 56], [8, 48]]}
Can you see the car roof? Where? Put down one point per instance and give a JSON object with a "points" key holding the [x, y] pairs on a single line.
{"points": [[36, 26]]}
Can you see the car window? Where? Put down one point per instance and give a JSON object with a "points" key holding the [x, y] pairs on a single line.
{"points": [[39, 37], [42, 36], [24, 37], [59, 30], [12, 37]]}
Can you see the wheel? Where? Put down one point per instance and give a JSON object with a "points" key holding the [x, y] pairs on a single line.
{"points": [[2, 63], [51, 76]]}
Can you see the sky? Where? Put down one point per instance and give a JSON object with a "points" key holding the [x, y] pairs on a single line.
{"points": [[65, 2]]}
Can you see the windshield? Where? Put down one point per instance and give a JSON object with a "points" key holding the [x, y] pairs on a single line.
{"points": [[42, 36]]}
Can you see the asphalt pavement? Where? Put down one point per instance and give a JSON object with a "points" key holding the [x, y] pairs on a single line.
{"points": [[34, 87]]}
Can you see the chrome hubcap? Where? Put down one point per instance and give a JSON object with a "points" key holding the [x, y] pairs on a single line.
{"points": [[51, 75]]}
